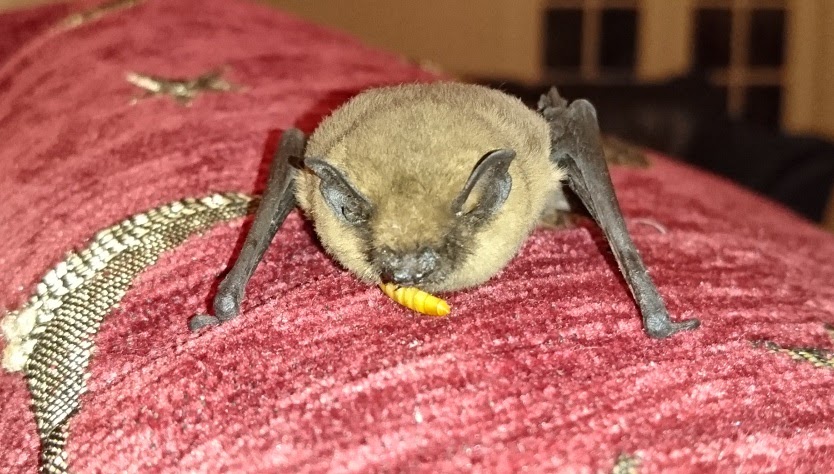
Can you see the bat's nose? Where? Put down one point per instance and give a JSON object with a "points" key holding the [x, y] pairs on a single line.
{"points": [[408, 268]]}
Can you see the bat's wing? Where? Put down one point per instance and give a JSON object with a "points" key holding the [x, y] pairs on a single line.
{"points": [[577, 148], [278, 200]]}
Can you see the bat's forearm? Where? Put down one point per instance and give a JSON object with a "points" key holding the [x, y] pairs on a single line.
{"points": [[276, 203], [577, 147]]}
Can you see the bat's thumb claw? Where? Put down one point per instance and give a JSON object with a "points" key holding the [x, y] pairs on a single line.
{"points": [[552, 100], [226, 307], [660, 328], [554, 109], [199, 321]]}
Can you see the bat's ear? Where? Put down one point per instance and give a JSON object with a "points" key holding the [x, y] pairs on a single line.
{"points": [[347, 203], [487, 187]]}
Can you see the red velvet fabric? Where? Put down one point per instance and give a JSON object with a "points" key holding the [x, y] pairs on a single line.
{"points": [[545, 367], [19, 27]]}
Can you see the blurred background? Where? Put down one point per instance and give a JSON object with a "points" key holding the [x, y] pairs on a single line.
{"points": [[738, 87]]}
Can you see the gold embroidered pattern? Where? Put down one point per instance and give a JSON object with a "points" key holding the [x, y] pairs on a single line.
{"points": [[77, 19], [626, 464], [51, 338], [820, 358], [182, 90]]}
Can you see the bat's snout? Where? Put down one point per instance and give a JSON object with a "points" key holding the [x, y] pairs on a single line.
{"points": [[407, 268]]}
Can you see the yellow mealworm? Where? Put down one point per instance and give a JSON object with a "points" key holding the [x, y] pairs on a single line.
{"points": [[416, 299]]}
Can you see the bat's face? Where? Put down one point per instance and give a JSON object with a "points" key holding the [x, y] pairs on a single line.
{"points": [[399, 229]]}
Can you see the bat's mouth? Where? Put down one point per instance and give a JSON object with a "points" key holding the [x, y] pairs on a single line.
{"points": [[429, 283], [410, 282]]}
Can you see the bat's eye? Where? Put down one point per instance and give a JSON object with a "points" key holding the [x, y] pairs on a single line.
{"points": [[354, 216], [348, 204]]}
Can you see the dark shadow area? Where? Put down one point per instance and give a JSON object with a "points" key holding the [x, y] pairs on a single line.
{"points": [[685, 118]]}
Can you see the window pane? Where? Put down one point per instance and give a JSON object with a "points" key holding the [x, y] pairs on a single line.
{"points": [[563, 40], [619, 33], [712, 38], [767, 37]]}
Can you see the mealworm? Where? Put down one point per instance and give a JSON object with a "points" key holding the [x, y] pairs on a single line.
{"points": [[416, 299]]}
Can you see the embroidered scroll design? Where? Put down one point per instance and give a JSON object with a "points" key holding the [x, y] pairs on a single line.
{"points": [[77, 19], [183, 90], [818, 357], [51, 338], [626, 464]]}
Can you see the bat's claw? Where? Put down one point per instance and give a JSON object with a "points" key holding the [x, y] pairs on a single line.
{"points": [[552, 102], [199, 321], [660, 326], [554, 108]]}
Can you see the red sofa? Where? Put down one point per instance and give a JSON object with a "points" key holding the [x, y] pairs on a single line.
{"points": [[544, 368]]}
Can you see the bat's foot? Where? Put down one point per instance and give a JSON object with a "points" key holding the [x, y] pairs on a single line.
{"points": [[660, 326], [557, 219]]}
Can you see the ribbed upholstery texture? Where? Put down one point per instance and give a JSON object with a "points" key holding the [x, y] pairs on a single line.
{"points": [[545, 367]]}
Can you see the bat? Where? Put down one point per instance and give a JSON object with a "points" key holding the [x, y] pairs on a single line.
{"points": [[436, 186]]}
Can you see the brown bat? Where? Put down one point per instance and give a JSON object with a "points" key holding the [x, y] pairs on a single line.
{"points": [[436, 186]]}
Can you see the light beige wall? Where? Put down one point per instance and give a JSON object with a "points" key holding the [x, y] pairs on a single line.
{"points": [[485, 38], [664, 39], [809, 100]]}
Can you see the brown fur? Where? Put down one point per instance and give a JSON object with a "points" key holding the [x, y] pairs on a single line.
{"points": [[409, 149]]}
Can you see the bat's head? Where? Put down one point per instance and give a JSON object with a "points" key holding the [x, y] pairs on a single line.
{"points": [[433, 186]]}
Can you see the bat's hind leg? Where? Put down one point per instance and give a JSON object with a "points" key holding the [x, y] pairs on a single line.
{"points": [[563, 211], [577, 148]]}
